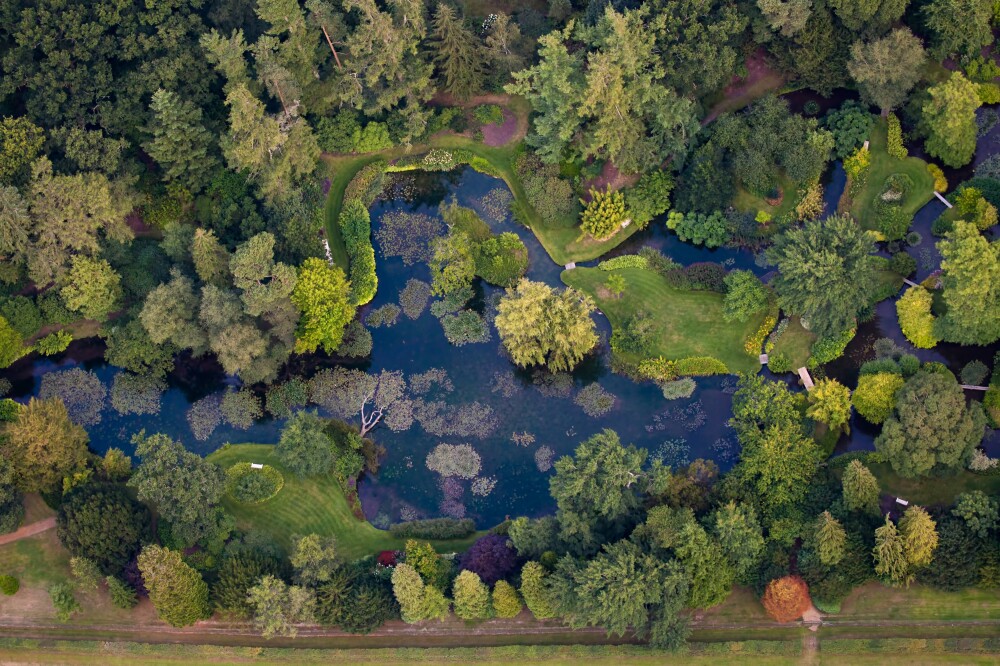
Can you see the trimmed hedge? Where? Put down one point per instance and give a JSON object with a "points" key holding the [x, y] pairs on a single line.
{"points": [[367, 184], [253, 486], [698, 366], [434, 528], [355, 225], [624, 261]]}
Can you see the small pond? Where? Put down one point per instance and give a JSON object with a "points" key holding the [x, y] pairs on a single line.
{"points": [[521, 425]]}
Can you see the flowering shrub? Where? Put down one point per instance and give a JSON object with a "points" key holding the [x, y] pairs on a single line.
{"points": [[754, 342], [658, 369], [460, 460], [701, 366], [438, 160]]}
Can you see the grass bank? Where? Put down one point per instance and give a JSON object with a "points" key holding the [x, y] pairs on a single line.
{"points": [[933, 490], [685, 323], [884, 165], [315, 505]]}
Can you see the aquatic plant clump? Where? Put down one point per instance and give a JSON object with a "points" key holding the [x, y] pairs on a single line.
{"points": [[249, 485], [594, 400], [505, 383], [81, 391], [458, 460], [496, 204], [522, 438], [544, 457], [553, 384], [466, 327], [682, 388], [408, 236], [443, 420], [136, 394], [241, 408], [424, 382], [483, 485], [387, 315], [204, 416], [414, 298], [673, 453]]}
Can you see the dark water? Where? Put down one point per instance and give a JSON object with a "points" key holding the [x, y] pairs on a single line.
{"points": [[677, 430]]}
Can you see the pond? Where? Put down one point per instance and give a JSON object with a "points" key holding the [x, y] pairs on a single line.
{"points": [[520, 423]]}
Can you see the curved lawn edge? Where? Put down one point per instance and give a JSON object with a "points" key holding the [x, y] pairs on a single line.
{"points": [[314, 505]]}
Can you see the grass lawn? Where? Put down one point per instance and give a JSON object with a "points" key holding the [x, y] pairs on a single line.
{"points": [[873, 601], [687, 323], [314, 505], [931, 490], [795, 343], [745, 202], [36, 561], [883, 166]]}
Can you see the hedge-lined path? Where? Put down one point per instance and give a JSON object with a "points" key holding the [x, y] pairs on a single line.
{"points": [[28, 530]]}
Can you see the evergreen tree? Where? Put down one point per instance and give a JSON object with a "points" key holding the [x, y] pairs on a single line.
{"points": [[919, 535], [506, 601], [177, 591], [211, 260], [831, 539], [93, 288], [457, 53], [278, 607], [535, 591], [959, 27], [890, 555], [180, 143], [472, 597], [861, 491]]}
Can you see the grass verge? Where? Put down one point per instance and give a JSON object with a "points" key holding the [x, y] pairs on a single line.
{"points": [[685, 323], [315, 505]]}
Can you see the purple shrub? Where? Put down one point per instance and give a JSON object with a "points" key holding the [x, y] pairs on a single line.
{"points": [[492, 557]]}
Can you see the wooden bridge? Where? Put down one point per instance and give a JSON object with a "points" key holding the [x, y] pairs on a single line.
{"points": [[807, 381]]}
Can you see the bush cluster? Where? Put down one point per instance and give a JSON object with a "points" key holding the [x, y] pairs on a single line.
{"points": [[699, 366], [488, 114], [624, 261], [940, 182], [829, 348], [367, 184], [649, 197], [603, 214], [434, 528], [501, 260], [465, 327], [711, 230], [355, 225], [894, 140], [893, 221], [253, 486], [915, 318]]}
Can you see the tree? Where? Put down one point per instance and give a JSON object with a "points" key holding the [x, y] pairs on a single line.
{"points": [[786, 599], [890, 555], [180, 143], [971, 269], [830, 403], [322, 294], [973, 207], [535, 591], [920, 537], [932, 428], [886, 69], [873, 17], [948, 119], [915, 318], [738, 532], [170, 312], [424, 559], [876, 394], [593, 490], [63, 601], [603, 215], [778, 466], [314, 559], [491, 557], [254, 139], [264, 283], [746, 295], [506, 601], [21, 142], [184, 487], [93, 288], [472, 597], [540, 326], [710, 573], [177, 591], [958, 28], [417, 601], [825, 273], [15, 224], [104, 525], [786, 18], [211, 260], [861, 490], [980, 513], [304, 447], [44, 445], [278, 607], [457, 53], [453, 265], [831, 539], [239, 572]]}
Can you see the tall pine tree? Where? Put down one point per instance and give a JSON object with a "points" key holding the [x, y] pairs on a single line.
{"points": [[457, 54], [180, 142]]}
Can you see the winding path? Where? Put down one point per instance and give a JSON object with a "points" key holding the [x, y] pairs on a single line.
{"points": [[28, 531]]}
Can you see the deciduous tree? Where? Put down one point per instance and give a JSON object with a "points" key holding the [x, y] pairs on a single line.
{"points": [[322, 295], [886, 69], [830, 403], [92, 288], [785, 599], [971, 280], [45, 445], [949, 120], [104, 525], [278, 607]]}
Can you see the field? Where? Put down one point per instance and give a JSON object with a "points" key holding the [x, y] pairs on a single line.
{"points": [[315, 505], [686, 323], [883, 166]]}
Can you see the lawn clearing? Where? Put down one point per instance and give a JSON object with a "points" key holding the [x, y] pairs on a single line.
{"points": [[315, 505], [745, 202], [686, 323], [931, 490], [795, 343], [883, 166], [874, 601]]}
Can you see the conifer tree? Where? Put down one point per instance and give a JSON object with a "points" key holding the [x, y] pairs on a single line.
{"points": [[180, 142], [472, 597], [457, 54], [861, 491], [920, 536], [890, 555], [177, 591], [830, 539]]}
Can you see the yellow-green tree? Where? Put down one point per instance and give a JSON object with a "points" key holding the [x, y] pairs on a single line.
{"points": [[915, 318], [830, 403], [506, 600], [322, 295], [876, 394]]}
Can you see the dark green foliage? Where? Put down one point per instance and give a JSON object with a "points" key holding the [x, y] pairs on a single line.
{"points": [[551, 196], [9, 585], [237, 574], [336, 134], [649, 197], [903, 264], [953, 566], [501, 260], [22, 314], [122, 596], [851, 126], [705, 184], [305, 448], [433, 528], [465, 327], [103, 524], [282, 398]]}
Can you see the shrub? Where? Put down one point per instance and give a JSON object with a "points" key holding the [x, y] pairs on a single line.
{"points": [[903, 264], [850, 125], [491, 557], [9, 410], [465, 327], [989, 93], [603, 214], [701, 275], [828, 349], [894, 142], [9, 585], [501, 260], [857, 166], [710, 230], [649, 197], [915, 318], [22, 314], [434, 528], [875, 395], [753, 343], [699, 366], [488, 114], [785, 599], [355, 225], [373, 138], [506, 600], [54, 343], [367, 184], [357, 341], [658, 369], [594, 400], [940, 181], [973, 207], [974, 373], [335, 134], [253, 486], [64, 601], [779, 363], [680, 388], [550, 196], [624, 261], [810, 108]]}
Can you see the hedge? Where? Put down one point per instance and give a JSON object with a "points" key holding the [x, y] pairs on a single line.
{"points": [[434, 528], [367, 184], [247, 485], [9, 585], [700, 366], [624, 261], [355, 225]]}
